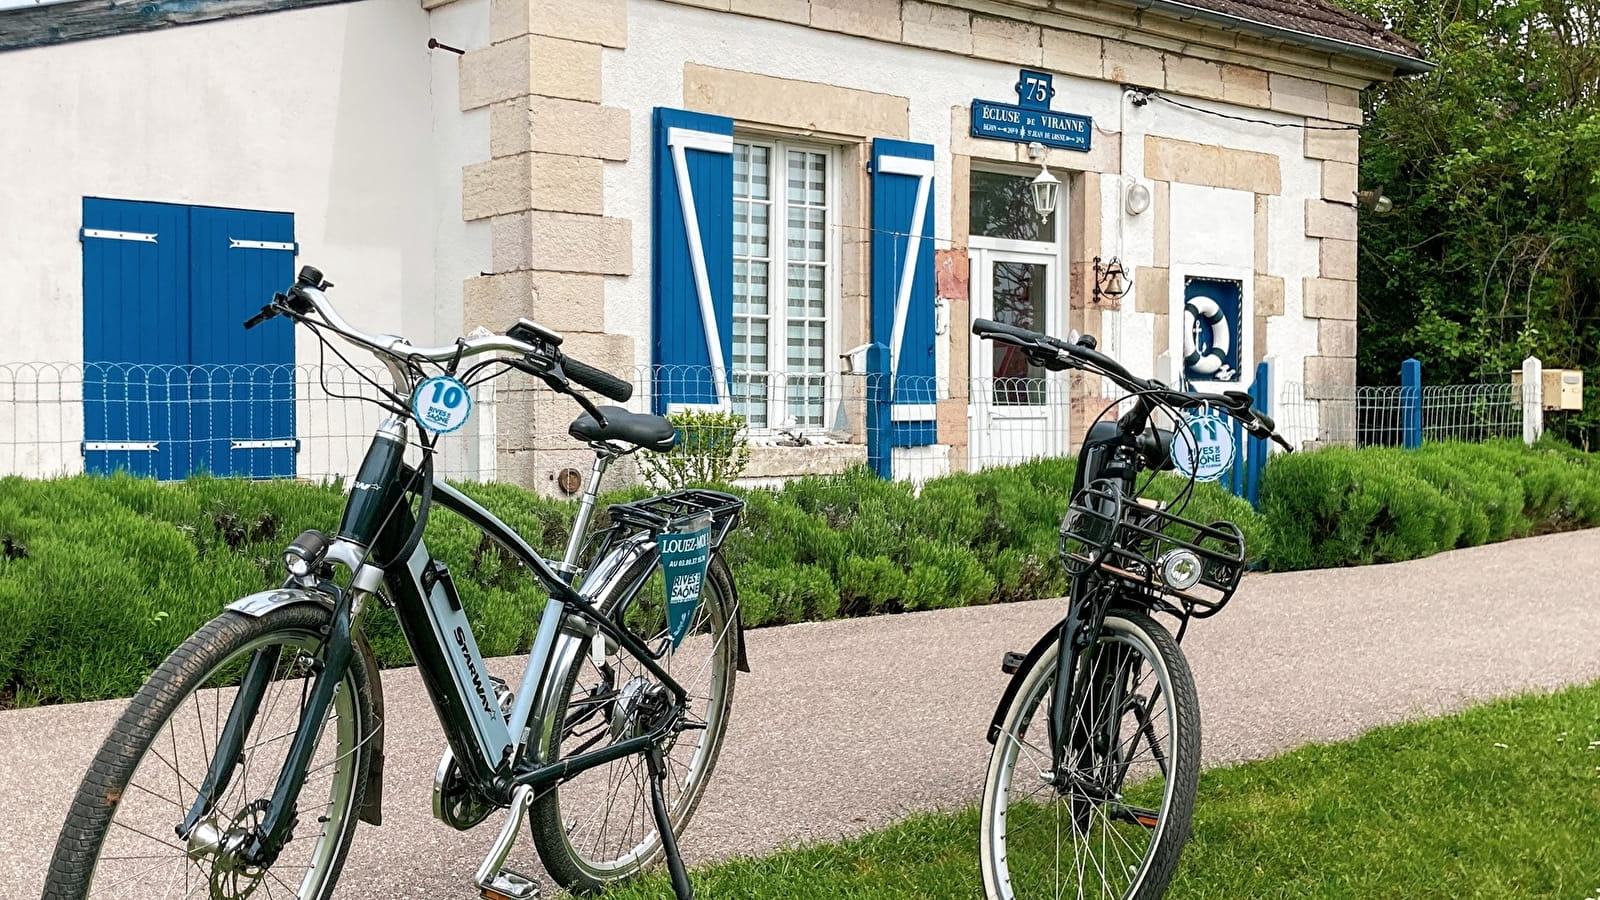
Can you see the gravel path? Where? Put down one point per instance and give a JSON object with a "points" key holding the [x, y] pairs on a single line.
{"points": [[845, 726]]}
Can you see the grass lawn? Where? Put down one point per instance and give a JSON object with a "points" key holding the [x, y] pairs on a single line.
{"points": [[1501, 801]]}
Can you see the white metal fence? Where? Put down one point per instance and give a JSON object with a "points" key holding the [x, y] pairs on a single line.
{"points": [[60, 419], [1345, 415], [171, 421], [64, 418]]}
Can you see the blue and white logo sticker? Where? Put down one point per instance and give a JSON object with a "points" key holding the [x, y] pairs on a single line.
{"points": [[442, 404], [1203, 448]]}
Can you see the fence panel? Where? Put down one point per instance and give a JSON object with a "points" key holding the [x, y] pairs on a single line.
{"points": [[1349, 416], [189, 414], [794, 425]]}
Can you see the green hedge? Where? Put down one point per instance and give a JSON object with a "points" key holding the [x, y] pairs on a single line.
{"points": [[101, 577], [1342, 507]]}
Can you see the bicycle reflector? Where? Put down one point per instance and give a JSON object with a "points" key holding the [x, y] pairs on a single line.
{"points": [[1181, 569]]}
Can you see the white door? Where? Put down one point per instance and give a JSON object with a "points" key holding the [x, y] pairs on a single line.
{"points": [[1017, 411]]}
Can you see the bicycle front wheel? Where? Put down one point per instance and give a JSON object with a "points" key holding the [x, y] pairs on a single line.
{"points": [[1111, 822], [121, 836], [597, 829]]}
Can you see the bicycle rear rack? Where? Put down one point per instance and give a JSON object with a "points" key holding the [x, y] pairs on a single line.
{"points": [[1106, 530], [680, 510]]}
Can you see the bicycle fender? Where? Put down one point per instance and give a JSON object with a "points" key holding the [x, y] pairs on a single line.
{"points": [[1015, 682], [258, 605]]}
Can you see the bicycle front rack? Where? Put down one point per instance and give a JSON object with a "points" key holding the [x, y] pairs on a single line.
{"points": [[1145, 546]]}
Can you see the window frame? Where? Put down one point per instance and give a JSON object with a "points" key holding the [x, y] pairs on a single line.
{"points": [[777, 317]]}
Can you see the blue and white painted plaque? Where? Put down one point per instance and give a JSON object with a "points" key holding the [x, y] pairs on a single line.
{"points": [[1031, 119]]}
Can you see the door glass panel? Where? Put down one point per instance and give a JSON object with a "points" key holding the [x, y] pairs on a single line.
{"points": [[1001, 206], [1019, 299]]}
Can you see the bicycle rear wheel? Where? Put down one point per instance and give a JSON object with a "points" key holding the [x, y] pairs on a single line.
{"points": [[597, 829], [1113, 822], [120, 838]]}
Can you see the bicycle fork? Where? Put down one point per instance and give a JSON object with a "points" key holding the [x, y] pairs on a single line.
{"points": [[1078, 637], [262, 844]]}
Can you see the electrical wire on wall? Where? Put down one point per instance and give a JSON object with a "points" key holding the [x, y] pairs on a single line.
{"points": [[1154, 95]]}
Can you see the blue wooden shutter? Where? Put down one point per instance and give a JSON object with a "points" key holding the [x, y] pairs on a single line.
{"points": [[692, 259], [902, 285], [135, 337], [173, 384], [244, 380]]}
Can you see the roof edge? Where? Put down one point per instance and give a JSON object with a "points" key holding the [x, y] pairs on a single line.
{"points": [[1402, 63], [48, 24]]}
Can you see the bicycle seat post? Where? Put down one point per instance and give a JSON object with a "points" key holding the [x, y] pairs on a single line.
{"points": [[603, 455]]}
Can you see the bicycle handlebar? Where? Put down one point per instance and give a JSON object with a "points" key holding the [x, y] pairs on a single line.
{"points": [[1080, 354], [544, 360]]}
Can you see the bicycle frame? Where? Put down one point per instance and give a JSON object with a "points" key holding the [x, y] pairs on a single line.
{"points": [[1109, 450], [493, 750]]}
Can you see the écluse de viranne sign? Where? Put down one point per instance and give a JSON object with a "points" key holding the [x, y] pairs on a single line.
{"points": [[1031, 118]]}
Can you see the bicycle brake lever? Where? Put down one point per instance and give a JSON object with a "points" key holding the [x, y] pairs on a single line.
{"points": [[554, 378]]}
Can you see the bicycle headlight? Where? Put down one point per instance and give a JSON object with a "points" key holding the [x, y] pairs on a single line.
{"points": [[297, 565], [305, 553], [1180, 569]]}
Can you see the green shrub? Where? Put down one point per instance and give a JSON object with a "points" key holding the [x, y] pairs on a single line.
{"points": [[711, 449], [1342, 507], [101, 577]]}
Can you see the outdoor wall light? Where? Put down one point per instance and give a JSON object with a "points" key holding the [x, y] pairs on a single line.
{"points": [[1046, 189], [1110, 280], [1374, 200], [1138, 199]]}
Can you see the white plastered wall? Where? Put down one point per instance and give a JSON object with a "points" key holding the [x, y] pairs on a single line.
{"points": [[338, 114], [1211, 231]]}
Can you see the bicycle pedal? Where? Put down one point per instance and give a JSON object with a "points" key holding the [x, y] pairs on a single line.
{"points": [[1011, 662], [508, 885]]}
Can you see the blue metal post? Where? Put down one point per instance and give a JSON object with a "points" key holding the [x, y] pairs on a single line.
{"points": [[1261, 390], [880, 444], [1411, 404]]}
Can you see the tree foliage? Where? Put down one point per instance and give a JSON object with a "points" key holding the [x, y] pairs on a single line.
{"points": [[1493, 162]]}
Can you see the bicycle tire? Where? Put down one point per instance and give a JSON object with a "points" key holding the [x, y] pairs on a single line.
{"points": [[553, 835], [1013, 826], [118, 787]]}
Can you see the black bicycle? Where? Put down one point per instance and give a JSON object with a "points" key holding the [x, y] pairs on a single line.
{"points": [[243, 764], [1096, 758]]}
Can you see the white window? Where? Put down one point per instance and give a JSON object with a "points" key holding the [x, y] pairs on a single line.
{"points": [[785, 282]]}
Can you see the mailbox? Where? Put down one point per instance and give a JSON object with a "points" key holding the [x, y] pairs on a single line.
{"points": [[1561, 388]]}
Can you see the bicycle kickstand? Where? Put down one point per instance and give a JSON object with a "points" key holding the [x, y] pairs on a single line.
{"points": [[669, 842]]}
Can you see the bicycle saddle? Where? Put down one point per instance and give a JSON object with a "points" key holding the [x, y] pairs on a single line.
{"points": [[641, 430]]}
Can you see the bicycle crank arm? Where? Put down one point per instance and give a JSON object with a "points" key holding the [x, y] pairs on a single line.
{"points": [[493, 880], [1135, 815]]}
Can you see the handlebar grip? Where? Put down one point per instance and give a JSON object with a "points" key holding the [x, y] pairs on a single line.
{"points": [[987, 327], [597, 380]]}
